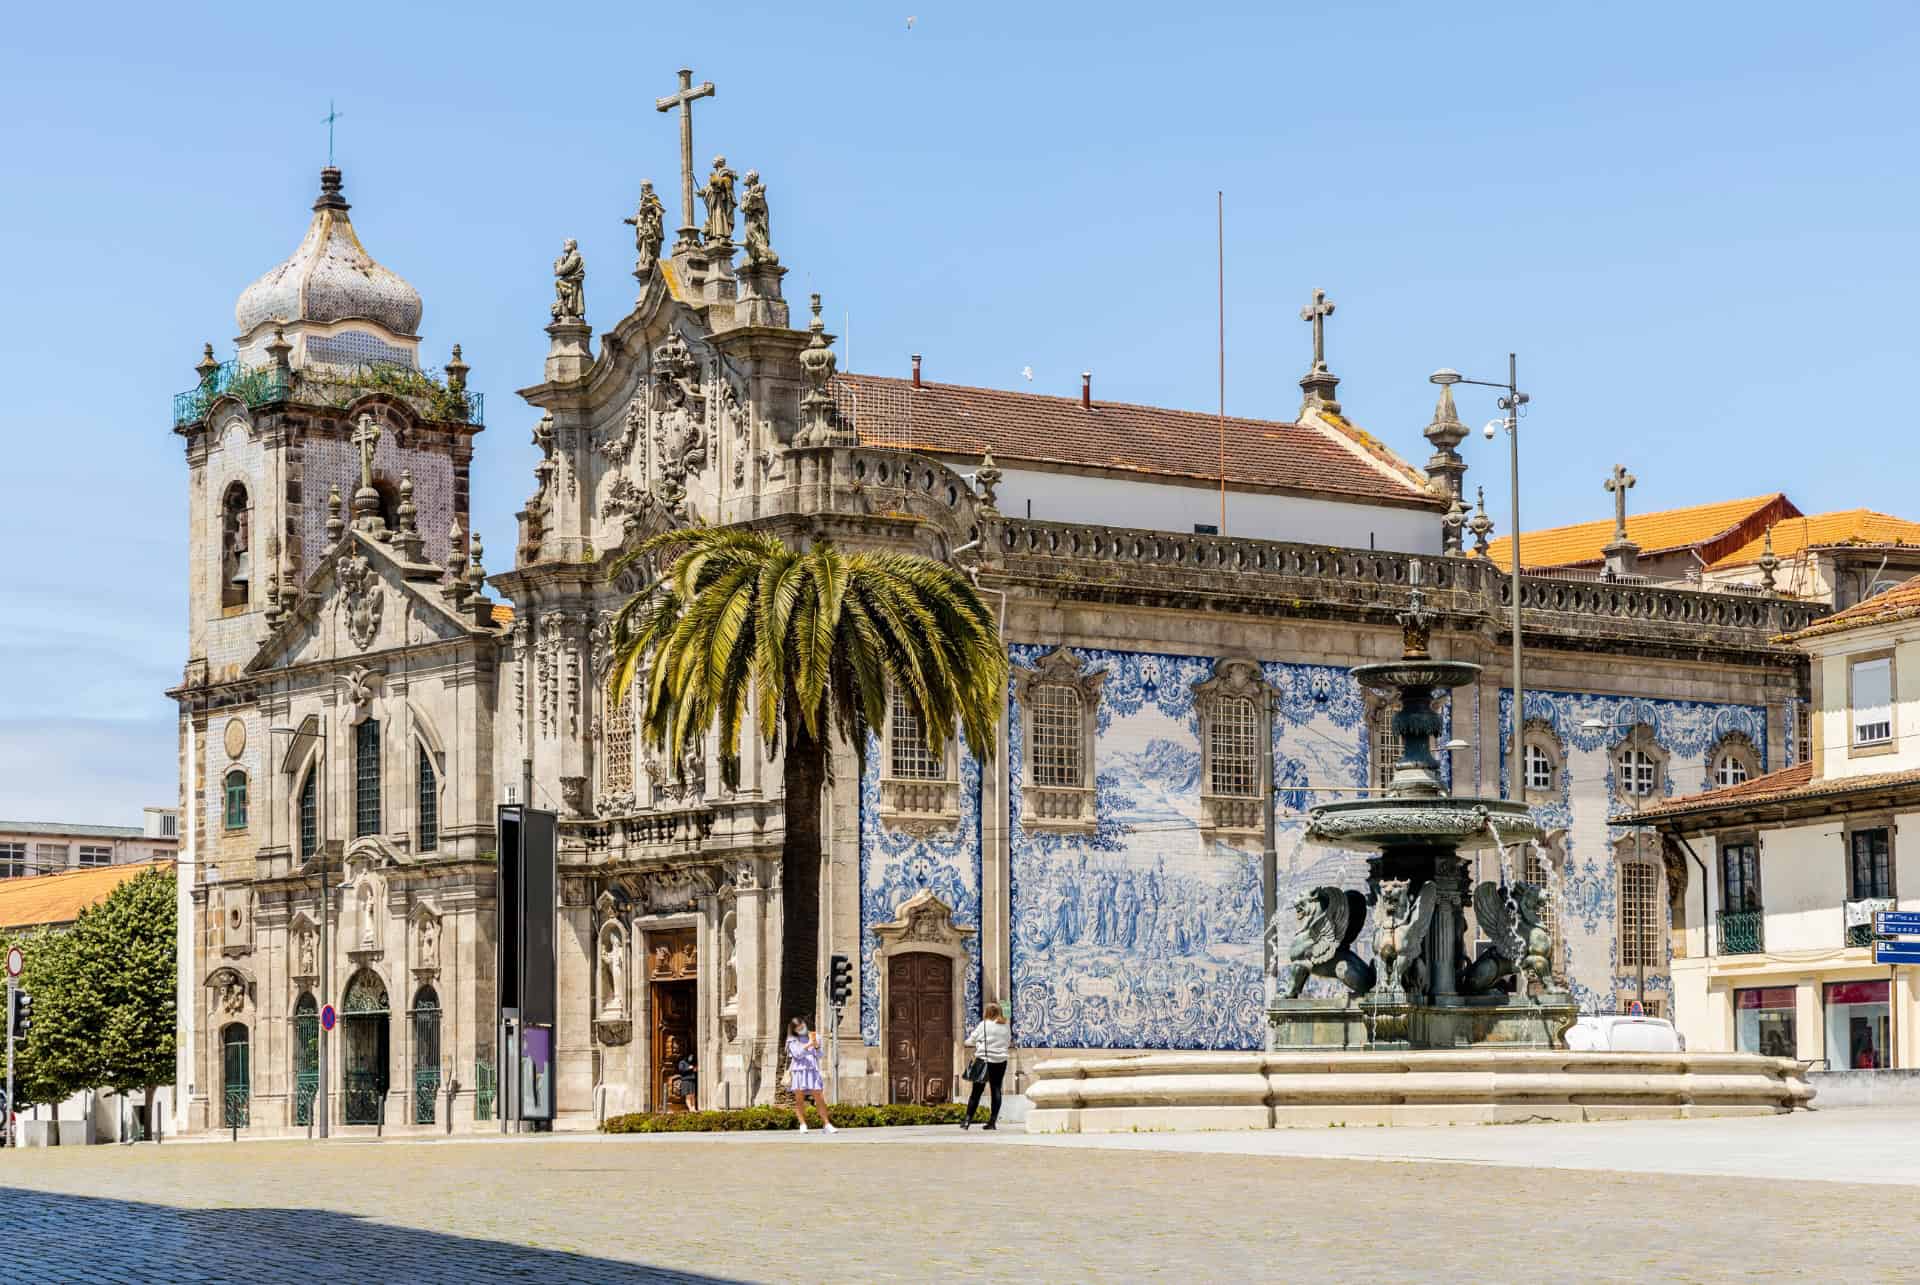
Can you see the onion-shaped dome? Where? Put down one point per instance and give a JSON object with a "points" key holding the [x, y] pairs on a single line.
{"points": [[330, 277]]}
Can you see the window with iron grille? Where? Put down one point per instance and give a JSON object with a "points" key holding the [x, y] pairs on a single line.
{"points": [[309, 815], [1536, 870], [13, 860], [236, 800], [1539, 767], [1729, 769], [427, 799], [100, 854], [1803, 733], [912, 758], [1639, 771], [50, 857], [1872, 866], [616, 772], [366, 778], [1386, 749], [1638, 885], [1234, 741], [1056, 736], [1740, 876]]}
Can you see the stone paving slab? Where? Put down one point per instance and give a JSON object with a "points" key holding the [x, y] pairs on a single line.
{"points": [[900, 1205]]}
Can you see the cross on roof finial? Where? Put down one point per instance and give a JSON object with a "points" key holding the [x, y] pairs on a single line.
{"points": [[683, 98], [328, 120], [1317, 312], [1620, 482]]}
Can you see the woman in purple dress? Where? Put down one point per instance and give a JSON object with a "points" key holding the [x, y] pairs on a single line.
{"points": [[803, 1073]]}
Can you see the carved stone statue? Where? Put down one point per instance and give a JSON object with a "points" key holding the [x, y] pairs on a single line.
{"points": [[233, 997], [429, 942], [649, 224], [1517, 942], [570, 284], [613, 974], [1400, 935], [718, 194], [753, 206], [365, 911], [1328, 922], [307, 968]]}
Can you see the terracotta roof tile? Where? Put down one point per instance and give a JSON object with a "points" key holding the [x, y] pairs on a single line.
{"points": [[502, 613], [1331, 458], [1788, 785], [1847, 526], [59, 899], [1902, 602], [1661, 532]]}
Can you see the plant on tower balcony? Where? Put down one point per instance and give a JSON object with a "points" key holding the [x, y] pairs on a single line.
{"points": [[808, 643]]}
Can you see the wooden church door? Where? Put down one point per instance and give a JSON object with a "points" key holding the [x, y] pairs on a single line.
{"points": [[920, 1028]]}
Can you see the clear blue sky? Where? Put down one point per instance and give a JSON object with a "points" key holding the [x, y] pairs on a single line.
{"points": [[1694, 223]]}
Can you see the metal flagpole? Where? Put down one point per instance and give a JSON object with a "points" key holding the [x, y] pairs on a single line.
{"points": [[9, 1103], [1220, 291]]}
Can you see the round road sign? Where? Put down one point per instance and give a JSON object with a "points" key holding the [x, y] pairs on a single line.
{"points": [[327, 1018], [15, 961]]}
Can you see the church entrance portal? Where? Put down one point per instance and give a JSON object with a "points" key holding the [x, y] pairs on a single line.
{"points": [[672, 976], [920, 1028], [367, 1048]]}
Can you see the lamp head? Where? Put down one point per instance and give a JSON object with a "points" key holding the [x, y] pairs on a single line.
{"points": [[1444, 375], [1594, 725], [1455, 744]]}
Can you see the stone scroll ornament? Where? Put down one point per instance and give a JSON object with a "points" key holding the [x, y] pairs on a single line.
{"points": [[1328, 921]]}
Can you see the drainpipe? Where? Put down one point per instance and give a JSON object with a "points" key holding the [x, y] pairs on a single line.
{"points": [[1706, 925]]}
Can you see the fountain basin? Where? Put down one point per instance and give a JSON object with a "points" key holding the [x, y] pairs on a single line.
{"points": [[1125, 1092], [1459, 824], [1415, 672]]}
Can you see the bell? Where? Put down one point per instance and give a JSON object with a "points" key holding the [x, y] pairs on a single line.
{"points": [[242, 567]]}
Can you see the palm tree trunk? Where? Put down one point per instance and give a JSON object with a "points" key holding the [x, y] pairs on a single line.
{"points": [[803, 777]]}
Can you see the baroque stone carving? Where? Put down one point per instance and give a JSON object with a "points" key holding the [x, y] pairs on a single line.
{"points": [[426, 940], [649, 224], [573, 794], [753, 205], [569, 284], [679, 409], [1400, 935], [362, 684], [1327, 922], [661, 892], [735, 416], [363, 599], [718, 196], [305, 953], [620, 449]]}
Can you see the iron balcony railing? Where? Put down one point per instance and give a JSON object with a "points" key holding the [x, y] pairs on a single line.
{"points": [[1742, 932], [254, 385], [306, 1087], [426, 1084], [366, 1098], [238, 1108]]}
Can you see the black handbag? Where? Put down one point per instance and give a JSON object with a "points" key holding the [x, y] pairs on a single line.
{"points": [[976, 1072]]}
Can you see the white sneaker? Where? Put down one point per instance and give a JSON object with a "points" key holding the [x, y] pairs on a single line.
{"points": [[829, 1128], [803, 1126]]}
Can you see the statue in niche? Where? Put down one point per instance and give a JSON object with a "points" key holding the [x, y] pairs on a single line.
{"points": [[429, 942], [730, 953], [718, 194], [649, 224], [365, 913], [613, 974], [753, 206], [1327, 922], [569, 284], [306, 953]]}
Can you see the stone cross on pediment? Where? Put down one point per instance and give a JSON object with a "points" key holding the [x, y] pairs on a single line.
{"points": [[366, 436], [1317, 312], [1620, 482], [683, 98]]}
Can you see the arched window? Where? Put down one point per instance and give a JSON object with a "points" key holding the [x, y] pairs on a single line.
{"points": [[366, 778], [1057, 715], [236, 795], [1732, 762], [236, 1082], [427, 801], [309, 814], [236, 553], [1639, 766], [1386, 747], [426, 1053]]}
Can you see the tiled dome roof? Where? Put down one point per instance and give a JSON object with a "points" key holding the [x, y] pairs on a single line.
{"points": [[330, 277]]}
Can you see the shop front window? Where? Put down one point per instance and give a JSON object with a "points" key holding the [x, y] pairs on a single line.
{"points": [[1857, 1026], [1763, 1021]]}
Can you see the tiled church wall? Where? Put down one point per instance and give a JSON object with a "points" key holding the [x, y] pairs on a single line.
{"points": [[335, 462]]}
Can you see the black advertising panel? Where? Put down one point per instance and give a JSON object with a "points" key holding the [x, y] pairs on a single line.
{"points": [[507, 903], [539, 1000]]}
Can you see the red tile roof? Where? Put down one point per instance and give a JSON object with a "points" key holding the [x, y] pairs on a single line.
{"points": [[1712, 529], [1333, 458], [1789, 785], [58, 899], [1902, 602]]}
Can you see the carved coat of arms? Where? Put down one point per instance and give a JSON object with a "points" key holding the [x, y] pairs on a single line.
{"points": [[363, 599], [679, 420]]}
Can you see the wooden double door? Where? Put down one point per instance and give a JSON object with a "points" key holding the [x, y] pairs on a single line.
{"points": [[673, 970], [920, 1034]]}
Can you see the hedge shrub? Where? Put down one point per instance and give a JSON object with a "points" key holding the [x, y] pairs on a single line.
{"points": [[768, 1118]]}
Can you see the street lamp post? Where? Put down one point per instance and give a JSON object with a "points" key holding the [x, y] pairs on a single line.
{"points": [[1609, 727], [1511, 404], [320, 1112]]}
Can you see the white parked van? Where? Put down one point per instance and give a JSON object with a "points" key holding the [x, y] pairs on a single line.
{"points": [[1616, 1033]]}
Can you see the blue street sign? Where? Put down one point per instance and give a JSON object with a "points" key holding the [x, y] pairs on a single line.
{"points": [[1896, 952], [1897, 923], [326, 1017]]}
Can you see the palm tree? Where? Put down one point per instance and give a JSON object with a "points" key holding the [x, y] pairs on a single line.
{"points": [[810, 642]]}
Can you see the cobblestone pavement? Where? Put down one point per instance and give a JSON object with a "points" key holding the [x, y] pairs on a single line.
{"points": [[892, 1205]]}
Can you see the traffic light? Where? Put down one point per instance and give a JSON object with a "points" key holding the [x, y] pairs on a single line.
{"points": [[22, 1014], [839, 979]]}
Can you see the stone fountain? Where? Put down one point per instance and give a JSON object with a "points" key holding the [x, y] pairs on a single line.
{"points": [[1426, 1032], [1424, 989]]}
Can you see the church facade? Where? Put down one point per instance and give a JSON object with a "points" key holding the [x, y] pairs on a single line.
{"points": [[361, 693]]}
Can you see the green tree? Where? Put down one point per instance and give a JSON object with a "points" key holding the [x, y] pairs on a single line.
{"points": [[36, 1077], [810, 642], [127, 948]]}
